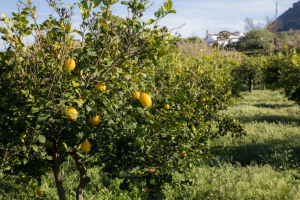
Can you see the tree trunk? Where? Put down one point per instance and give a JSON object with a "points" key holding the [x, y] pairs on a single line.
{"points": [[57, 174], [250, 86], [84, 179]]}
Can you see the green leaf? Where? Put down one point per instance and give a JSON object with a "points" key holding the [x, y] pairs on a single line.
{"points": [[88, 108], [3, 15], [34, 110], [43, 116], [110, 123], [80, 135], [24, 161], [92, 53], [162, 10], [24, 148], [172, 39], [49, 157], [125, 2], [167, 6], [41, 139], [75, 84], [150, 21], [81, 9], [172, 11], [35, 148], [79, 32], [2, 103], [170, 4], [105, 26], [96, 3]]}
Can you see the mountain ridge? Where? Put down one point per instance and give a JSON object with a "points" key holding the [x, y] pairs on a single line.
{"points": [[290, 19]]}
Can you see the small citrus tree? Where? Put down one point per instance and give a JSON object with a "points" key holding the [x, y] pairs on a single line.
{"points": [[249, 72], [282, 72]]}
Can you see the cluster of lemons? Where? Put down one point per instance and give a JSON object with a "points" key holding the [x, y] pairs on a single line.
{"points": [[143, 98], [235, 130]]}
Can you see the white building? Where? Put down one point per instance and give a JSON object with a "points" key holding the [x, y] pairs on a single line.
{"points": [[233, 38]]}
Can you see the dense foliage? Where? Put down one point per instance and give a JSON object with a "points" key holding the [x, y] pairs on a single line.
{"points": [[282, 72], [126, 102]]}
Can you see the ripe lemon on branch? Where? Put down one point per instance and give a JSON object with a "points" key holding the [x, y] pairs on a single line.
{"points": [[54, 53], [94, 121], [167, 106], [73, 111], [145, 99], [182, 154], [86, 146], [151, 170], [40, 192], [136, 94], [70, 63], [101, 87]]}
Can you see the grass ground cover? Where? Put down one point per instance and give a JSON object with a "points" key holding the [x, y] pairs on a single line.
{"points": [[262, 165]]}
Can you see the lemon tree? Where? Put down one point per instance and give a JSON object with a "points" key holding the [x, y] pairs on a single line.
{"points": [[126, 101], [249, 72], [281, 71]]}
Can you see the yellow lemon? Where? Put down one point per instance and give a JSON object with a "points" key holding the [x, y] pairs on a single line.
{"points": [[101, 87], [40, 192], [167, 106], [94, 121], [53, 55], [73, 111], [81, 101], [182, 154], [136, 94], [233, 121], [179, 71], [142, 173], [70, 63], [151, 171], [203, 100], [201, 71], [145, 99], [23, 135], [86, 146]]}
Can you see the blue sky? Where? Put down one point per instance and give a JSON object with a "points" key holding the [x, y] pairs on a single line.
{"points": [[199, 15]]}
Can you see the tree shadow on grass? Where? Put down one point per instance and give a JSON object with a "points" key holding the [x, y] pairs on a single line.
{"points": [[264, 105], [281, 154], [271, 119]]}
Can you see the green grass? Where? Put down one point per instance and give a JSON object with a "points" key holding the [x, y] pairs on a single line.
{"points": [[262, 165]]}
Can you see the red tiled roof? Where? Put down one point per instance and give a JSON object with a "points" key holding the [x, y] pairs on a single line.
{"points": [[226, 32]]}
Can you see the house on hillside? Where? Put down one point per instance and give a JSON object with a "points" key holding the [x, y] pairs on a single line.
{"points": [[234, 38]]}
